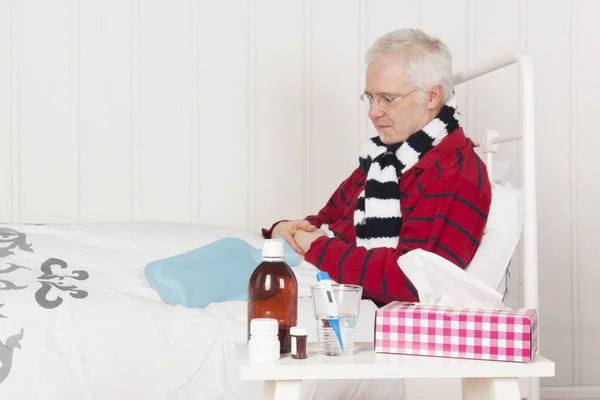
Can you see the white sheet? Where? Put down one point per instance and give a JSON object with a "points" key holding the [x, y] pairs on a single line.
{"points": [[111, 337]]}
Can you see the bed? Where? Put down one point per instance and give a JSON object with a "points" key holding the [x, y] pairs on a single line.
{"points": [[79, 320]]}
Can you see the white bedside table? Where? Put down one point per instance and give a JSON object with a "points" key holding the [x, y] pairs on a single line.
{"points": [[480, 379]]}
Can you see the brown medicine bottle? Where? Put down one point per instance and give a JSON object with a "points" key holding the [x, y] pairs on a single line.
{"points": [[273, 292]]}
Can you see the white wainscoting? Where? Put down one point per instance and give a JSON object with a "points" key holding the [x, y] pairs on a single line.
{"points": [[241, 112]]}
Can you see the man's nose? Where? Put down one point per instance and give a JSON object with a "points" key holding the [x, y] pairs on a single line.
{"points": [[375, 110]]}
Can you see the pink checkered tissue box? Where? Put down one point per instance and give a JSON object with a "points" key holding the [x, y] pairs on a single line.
{"points": [[413, 328]]}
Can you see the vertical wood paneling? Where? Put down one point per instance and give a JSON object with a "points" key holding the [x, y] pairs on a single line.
{"points": [[222, 109], [135, 104], [251, 218], [502, 87], [575, 322], [307, 107], [384, 16], [75, 88], [494, 98], [194, 133], [334, 97], [15, 112], [279, 110], [239, 113], [5, 109], [105, 111], [164, 95], [48, 137], [552, 100], [434, 21], [586, 142], [363, 41]]}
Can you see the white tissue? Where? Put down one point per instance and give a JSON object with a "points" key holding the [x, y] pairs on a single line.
{"points": [[440, 282]]}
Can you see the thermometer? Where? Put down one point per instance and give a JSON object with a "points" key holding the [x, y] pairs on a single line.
{"points": [[332, 310]]}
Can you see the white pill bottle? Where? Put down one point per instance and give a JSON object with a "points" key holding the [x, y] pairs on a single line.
{"points": [[263, 345]]}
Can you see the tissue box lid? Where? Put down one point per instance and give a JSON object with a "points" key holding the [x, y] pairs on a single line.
{"points": [[414, 328]]}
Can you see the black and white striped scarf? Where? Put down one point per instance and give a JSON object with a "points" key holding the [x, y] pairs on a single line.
{"points": [[377, 216]]}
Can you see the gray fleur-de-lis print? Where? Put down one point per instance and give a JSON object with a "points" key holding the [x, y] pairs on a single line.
{"points": [[9, 285], [50, 280], [11, 239], [12, 267], [6, 353]]}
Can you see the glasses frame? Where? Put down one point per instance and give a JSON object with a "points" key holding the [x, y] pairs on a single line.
{"points": [[387, 102]]}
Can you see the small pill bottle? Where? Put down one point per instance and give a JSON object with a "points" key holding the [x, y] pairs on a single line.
{"points": [[263, 345], [298, 342]]}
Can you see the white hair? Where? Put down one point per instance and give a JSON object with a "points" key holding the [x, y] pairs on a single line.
{"points": [[427, 60]]}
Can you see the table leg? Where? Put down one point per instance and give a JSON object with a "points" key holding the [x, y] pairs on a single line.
{"points": [[278, 390], [534, 389], [490, 389]]}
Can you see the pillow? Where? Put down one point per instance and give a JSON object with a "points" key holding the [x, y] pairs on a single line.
{"points": [[216, 272], [500, 237]]}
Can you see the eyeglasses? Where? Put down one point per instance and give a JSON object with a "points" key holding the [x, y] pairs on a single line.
{"points": [[385, 101]]}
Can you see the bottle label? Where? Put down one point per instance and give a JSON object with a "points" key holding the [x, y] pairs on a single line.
{"points": [[294, 350]]}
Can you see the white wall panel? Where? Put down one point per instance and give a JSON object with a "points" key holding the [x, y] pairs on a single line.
{"points": [[279, 110], [163, 100], [222, 179], [494, 99], [434, 20], [551, 65], [5, 110], [105, 107], [334, 100], [49, 148], [382, 16], [240, 112], [586, 142]]}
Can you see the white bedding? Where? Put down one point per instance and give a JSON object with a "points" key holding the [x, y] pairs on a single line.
{"points": [[78, 319]]}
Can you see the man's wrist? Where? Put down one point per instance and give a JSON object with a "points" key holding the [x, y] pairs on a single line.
{"points": [[317, 237], [312, 253]]}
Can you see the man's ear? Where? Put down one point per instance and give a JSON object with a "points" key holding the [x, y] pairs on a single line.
{"points": [[434, 97]]}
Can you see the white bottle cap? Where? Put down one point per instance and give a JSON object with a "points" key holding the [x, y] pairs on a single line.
{"points": [[297, 331], [264, 327], [272, 248]]}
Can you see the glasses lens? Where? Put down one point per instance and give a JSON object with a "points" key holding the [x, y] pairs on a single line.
{"points": [[382, 101]]}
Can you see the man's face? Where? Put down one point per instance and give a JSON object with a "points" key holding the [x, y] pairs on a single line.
{"points": [[394, 122]]}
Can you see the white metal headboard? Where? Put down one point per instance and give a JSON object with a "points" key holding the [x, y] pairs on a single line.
{"points": [[488, 142]]}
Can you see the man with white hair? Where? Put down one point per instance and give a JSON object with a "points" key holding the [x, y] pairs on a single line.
{"points": [[419, 183]]}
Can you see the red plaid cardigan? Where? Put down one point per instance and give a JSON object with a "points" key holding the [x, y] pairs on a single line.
{"points": [[445, 200]]}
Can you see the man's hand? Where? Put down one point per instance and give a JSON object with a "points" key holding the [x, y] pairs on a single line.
{"points": [[288, 230], [304, 239]]}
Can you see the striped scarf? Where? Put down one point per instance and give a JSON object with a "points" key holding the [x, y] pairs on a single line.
{"points": [[377, 216]]}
